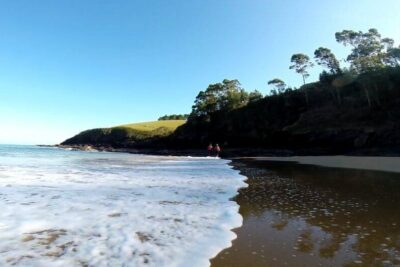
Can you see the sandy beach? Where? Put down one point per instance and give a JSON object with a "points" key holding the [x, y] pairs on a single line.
{"points": [[389, 164]]}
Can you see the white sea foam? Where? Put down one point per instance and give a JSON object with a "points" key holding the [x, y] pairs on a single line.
{"points": [[63, 208]]}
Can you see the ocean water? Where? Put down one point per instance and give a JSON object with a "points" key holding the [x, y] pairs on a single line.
{"points": [[73, 208]]}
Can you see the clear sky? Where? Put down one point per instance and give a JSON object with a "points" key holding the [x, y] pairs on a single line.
{"points": [[66, 66]]}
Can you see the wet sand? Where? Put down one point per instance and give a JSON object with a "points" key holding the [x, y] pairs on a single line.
{"points": [[389, 164], [308, 215]]}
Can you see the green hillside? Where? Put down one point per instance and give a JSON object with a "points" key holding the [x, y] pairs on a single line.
{"points": [[126, 135], [154, 125]]}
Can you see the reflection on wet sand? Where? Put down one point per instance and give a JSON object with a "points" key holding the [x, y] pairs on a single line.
{"points": [[305, 215]]}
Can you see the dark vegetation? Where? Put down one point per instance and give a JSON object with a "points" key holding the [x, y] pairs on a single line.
{"points": [[350, 108], [174, 117], [363, 112]]}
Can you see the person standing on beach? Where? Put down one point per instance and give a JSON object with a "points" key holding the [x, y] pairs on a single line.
{"points": [[217, 150], [210, 148]]}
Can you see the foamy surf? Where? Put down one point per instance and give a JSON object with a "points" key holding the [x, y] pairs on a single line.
{"points": [[63, 208]]}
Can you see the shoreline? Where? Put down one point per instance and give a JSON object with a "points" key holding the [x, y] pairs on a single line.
{"points": [[233, 153]]}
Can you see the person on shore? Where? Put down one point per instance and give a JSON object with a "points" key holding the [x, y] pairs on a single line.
{"points": [[210, 149], [217, 149]]}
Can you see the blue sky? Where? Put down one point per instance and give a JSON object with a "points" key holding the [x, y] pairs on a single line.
{"points": [[66, 66]]}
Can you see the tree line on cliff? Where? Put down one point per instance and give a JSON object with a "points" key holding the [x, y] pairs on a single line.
{"points": [[354, 105], [370, 54]]}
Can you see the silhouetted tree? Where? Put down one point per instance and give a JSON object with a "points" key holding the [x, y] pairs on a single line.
{"points": [[326, 58], [301, 63], [255, 96], [278, 84]]}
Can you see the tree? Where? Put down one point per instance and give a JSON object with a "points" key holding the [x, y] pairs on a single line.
{"points": [[226, 96], [255, 96], [393, 57], [174, 117], [233, 95], [301, 63], [206, 101], [387, 43], [368, 52], [278, 84], [326, 58]]}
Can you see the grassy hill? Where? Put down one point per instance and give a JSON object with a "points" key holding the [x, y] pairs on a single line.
{"points": [[154, 125], [127, 135]]}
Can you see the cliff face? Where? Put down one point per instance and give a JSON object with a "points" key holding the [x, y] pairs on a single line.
{"points": [[343, 115], [320, 130]]}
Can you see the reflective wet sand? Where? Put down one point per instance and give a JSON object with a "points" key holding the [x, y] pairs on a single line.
{"points": [[305, 215]]}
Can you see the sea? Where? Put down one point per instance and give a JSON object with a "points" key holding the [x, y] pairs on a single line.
{"points": [[73, 208]]}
